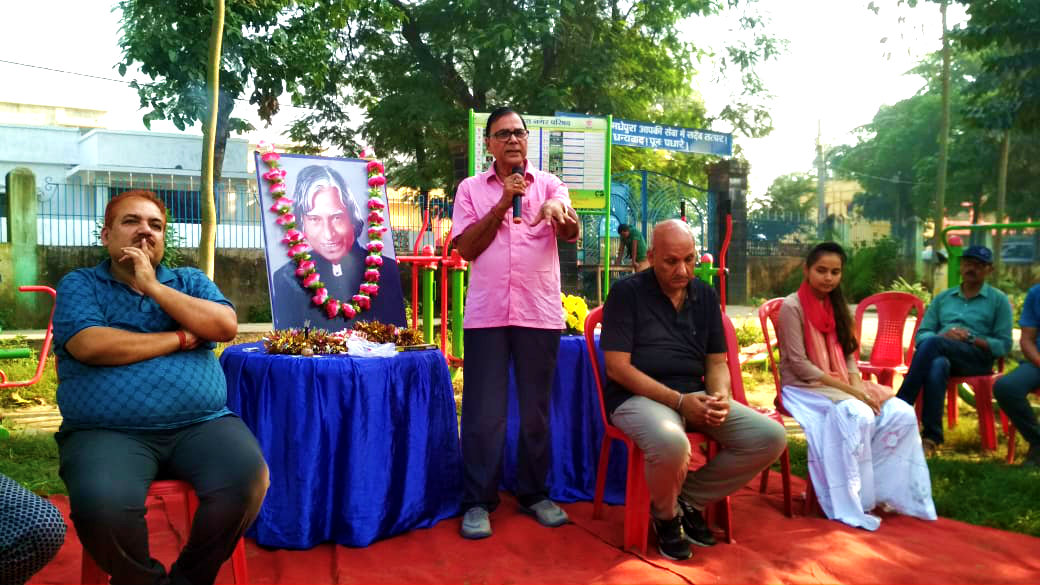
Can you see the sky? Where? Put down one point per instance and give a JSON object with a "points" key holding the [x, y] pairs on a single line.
{"points": [[834, 73]]}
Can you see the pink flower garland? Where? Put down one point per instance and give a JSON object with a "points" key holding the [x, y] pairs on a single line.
{"points": [[300, 250]]}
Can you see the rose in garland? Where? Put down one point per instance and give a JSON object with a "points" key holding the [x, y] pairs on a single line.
{"points": [[299, 250]]}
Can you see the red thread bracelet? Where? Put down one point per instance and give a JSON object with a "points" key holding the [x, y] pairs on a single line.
{"points": [[183, 338]]}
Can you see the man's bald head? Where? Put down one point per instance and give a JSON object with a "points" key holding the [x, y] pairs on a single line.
{"points": [[672, 230], [673, 255]]}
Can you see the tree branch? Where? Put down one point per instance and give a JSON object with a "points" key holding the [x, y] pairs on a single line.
{"points": [[428, 61]]}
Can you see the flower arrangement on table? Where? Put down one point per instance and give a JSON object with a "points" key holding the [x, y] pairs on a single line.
{"points": [[310, 341], [300, 250], [574, 312]]}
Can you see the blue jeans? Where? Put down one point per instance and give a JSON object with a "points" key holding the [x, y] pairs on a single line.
{"points": [[935, 360], [1011, 391]]}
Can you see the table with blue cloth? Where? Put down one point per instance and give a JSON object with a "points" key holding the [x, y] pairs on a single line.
{"points": [[577, 431], [359, 449]]}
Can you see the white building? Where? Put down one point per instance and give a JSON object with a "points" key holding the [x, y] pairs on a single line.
{"points": [[79, 168]]}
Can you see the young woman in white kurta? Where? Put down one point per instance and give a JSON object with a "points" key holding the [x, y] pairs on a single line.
{"points": [[864, 449]]}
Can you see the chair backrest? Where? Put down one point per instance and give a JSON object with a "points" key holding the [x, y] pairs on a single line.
{"points": [[733, 361], [768, 314], [595, 317], [893, 309]]}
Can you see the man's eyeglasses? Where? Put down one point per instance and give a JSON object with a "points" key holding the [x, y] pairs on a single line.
{"points": [[519, 134]]}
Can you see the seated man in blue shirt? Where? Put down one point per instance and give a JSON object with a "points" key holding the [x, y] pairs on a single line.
{"points": [[1011, 390], [665, 352], [963, 331], [142, 397]]}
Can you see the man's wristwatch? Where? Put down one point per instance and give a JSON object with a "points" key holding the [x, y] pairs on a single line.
{"points": [[971, 337]]}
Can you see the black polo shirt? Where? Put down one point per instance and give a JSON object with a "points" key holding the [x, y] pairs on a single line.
{"points": [[669, 346]]}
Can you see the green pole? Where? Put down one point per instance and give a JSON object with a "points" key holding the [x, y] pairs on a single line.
{"points": [[427, 303], [15, 353], [458, 291], [953, 268]]}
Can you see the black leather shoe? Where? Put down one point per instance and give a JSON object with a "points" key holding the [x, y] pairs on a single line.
{"points": [[695, 527], [671, 542]]}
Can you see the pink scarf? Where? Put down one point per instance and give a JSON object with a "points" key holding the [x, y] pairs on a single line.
{"points": [[821, 341]]}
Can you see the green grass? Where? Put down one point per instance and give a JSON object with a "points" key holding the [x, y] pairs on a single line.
{"points": [[24, 369], [31, 459]]}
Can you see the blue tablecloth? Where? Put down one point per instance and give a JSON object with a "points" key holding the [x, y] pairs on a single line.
{"points": [[359, 448], [577, 432]]}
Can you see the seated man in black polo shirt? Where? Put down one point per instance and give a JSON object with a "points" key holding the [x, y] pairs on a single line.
{"points": [[665, 353]]}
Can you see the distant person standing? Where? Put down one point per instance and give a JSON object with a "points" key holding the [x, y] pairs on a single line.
{"points": [[633, 247], [513, 317], [1011, 389]]}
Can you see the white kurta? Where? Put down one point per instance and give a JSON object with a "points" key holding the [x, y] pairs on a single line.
{"points": [[858, 461]]}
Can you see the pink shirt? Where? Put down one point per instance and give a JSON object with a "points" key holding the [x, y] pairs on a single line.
{"points": [[516, 280]]}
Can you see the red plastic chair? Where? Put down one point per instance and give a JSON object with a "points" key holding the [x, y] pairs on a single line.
{"points": [[91, 574], [983, 388], [637, 498], [44, 349], [737, 389], [768, 314], [888, 356], [1009, 432]]}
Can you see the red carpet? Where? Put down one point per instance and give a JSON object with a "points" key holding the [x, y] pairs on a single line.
{"points": [[769, 548]]}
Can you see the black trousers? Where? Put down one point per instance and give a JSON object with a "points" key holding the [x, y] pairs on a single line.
{"points": [[489, 352], [108, 474]]}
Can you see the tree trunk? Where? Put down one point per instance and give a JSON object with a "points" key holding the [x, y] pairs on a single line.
{"points": [[1002, 168], [944, 139], [207, 239]]}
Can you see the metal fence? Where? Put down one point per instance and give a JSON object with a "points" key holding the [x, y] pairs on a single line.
{"points": [[72, 214]]}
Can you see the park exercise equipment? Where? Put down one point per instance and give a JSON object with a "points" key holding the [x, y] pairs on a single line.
{"points": [[25, 352], [453, 268], [15, 353], [955, 247]]}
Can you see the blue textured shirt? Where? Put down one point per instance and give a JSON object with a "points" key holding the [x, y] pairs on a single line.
{"points": [[986, 315], [1031, 308], [164, 392]]}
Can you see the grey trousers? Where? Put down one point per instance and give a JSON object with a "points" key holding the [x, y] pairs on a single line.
{"points": [[108, 474], [750, 442]]}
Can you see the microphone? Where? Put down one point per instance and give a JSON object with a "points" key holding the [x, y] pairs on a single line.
{"points": [[517, 199]]}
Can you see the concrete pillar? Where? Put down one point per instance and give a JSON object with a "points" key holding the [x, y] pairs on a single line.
{"points": [[21, 230], [727, 181], [569, 281]]}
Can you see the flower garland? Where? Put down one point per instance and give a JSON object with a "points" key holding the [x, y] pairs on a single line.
{"points": [[300, 250]]}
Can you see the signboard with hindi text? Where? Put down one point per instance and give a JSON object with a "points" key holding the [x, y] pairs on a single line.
{"points": [[661, 136], [577, 150]]}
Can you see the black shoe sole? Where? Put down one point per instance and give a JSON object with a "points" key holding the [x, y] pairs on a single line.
{"points": [[670, 557], [700, 543]]}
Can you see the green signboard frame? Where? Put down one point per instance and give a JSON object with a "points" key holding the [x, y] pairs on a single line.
{"points": [[575, 149]]}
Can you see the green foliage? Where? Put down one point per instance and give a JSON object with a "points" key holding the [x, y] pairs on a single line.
{"points": [[259, 313], [917, 289], [790, 194], [896, 155], [869, 265], [270, 47], [749, 332], [415, 69], [1006, 93]]}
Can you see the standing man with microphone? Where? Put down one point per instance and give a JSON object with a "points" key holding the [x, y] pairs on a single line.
{"points": [[513, 316]]}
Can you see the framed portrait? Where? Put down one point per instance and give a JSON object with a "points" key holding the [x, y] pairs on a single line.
{"points": [[330, 202]]}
